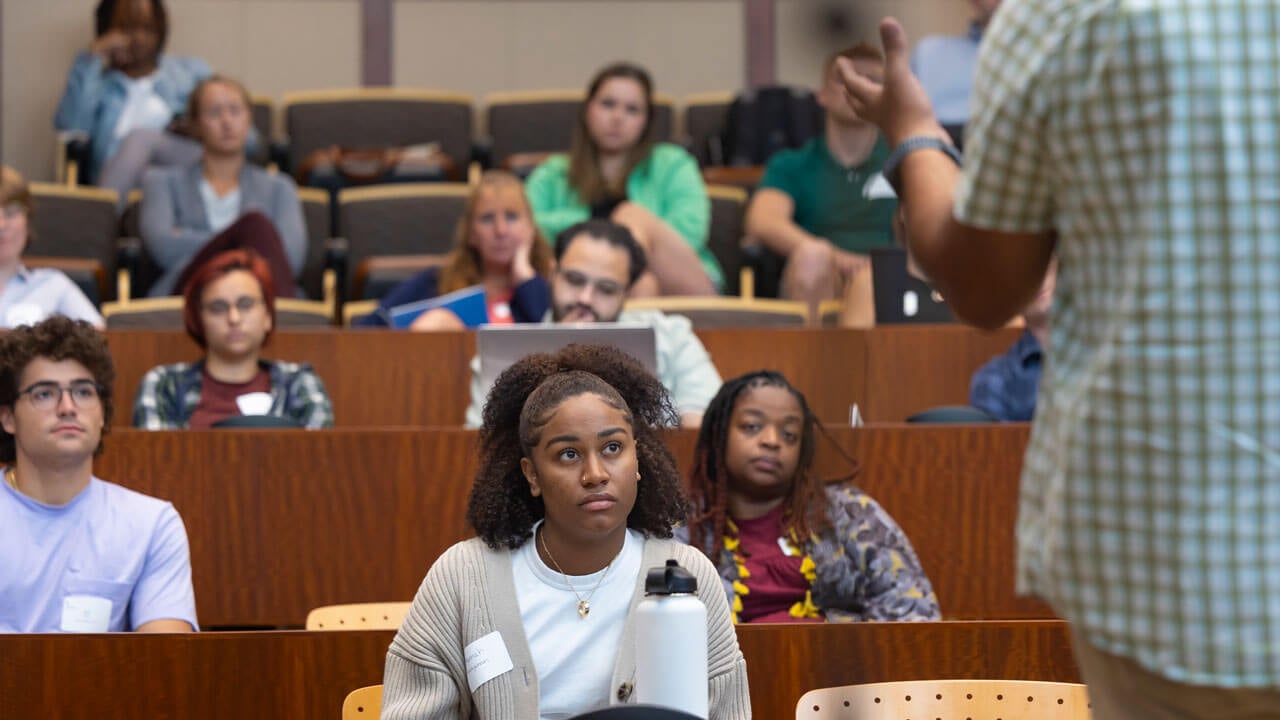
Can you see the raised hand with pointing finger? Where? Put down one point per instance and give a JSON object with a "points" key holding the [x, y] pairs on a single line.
{"points": [[898, 105]]}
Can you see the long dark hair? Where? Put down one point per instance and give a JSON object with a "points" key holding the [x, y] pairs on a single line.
{"points": [[806, 501], [584, 157]]}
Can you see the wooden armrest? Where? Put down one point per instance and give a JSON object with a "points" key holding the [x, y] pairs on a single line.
{"points": [[743, 176]]}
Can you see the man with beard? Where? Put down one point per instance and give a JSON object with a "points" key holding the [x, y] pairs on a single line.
{"points": [[597, 262]]}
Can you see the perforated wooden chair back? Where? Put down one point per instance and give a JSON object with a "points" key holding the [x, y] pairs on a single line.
{"points": [[358, 616], [542, 121], [363, 704], [947, 700], [408, 219], [717, 312], [377, 117]]}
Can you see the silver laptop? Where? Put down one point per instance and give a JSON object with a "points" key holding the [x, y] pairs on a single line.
{"points": [[501, 345]]}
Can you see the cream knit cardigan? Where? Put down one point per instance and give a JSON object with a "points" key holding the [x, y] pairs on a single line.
{"points": [[470, 592]]}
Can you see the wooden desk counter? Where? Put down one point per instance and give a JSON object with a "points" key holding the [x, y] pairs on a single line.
{"points": [[283, 521], [306, 675], [379, 378]]}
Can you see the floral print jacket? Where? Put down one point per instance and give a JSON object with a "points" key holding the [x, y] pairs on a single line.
{"points": [[863, 567]]}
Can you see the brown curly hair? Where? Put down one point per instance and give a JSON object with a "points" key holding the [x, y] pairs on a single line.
{"points": [[501, 508], [58, 338]]}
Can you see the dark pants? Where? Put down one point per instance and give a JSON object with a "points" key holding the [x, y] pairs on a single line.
{"points": [[253, 231]]}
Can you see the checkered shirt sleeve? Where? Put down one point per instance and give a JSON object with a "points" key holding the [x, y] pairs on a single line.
{"points": [[1147, 134]]}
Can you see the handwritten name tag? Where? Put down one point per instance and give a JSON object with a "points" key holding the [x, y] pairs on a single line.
{"points": [[85, 614], [487, 658]]}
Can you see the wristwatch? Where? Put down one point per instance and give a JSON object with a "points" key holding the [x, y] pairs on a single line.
{"points": [[893, 165]]}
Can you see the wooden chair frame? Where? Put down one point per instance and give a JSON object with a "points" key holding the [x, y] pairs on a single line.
{"points": [[358, 616]]}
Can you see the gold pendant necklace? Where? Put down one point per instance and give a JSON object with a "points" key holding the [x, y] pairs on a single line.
{"points": [[12, 476], [584, 604]]}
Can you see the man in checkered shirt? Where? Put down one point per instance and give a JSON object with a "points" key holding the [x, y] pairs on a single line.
{"points": [[1137, 139]]}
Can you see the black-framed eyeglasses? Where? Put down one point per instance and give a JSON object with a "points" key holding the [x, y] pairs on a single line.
{"points": [[243, 304], [46, 395]]}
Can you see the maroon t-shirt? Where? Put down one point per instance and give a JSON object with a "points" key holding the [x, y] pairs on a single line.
{"points": [[218, 399], [776, 582]]}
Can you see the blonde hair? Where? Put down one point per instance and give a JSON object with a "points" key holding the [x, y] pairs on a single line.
{"points": [[14, 189], [463, 267]]}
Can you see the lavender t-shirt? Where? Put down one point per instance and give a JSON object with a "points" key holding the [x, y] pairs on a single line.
{"points": [[109, 560]]}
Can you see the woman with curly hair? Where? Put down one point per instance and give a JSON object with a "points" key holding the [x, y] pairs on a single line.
{"points": [[790, 548], [574, 499]]}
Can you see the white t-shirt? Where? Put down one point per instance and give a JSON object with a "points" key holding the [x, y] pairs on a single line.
{"points": [[221, 211], [143, 108], [574, 656]]}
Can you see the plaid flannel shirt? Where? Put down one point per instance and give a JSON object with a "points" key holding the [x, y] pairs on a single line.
{"points": [[170, 393], [1147, 133]]}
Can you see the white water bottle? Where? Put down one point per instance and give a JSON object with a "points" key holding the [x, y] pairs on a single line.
{"points": [[671, 642]]}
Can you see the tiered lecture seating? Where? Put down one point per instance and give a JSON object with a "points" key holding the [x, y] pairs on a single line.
{"points": [[284, 522]]}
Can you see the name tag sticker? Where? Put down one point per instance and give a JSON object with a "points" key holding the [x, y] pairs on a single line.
{"points": [[85, 614], [254, 403], [487, 658]]}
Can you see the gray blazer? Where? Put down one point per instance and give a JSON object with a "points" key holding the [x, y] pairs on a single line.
{"points": [[175, 225]]}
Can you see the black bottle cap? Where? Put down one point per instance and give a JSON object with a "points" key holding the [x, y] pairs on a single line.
{"points": [[670, 580]]}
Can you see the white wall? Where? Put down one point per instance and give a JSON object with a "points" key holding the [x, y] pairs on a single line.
{"points": [[471, 46], [482, 46], [805, 39]]}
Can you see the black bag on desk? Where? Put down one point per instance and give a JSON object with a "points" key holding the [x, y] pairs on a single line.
{"points": [[334, 168]]}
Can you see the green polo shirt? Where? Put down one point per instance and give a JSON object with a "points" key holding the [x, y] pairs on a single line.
{"points": [[852, 207]]}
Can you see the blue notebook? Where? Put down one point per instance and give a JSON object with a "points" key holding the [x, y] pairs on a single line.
{"points": [[468, 304]]}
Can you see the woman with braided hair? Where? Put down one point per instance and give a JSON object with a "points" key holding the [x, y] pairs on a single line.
{"points": [[574, 499], [790, 548]]}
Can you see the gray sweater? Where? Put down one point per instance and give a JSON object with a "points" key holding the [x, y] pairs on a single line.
{"points": [[470, 592], [175, 225]]}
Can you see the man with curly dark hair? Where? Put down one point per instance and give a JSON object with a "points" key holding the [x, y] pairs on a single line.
{"points": [[79, 554], [575, 497]]}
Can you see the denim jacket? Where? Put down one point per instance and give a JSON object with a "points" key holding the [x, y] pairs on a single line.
{"points": [[95, 97]]}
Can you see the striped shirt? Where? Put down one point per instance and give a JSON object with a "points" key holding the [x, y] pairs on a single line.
{"points": [[1146, 133]]}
